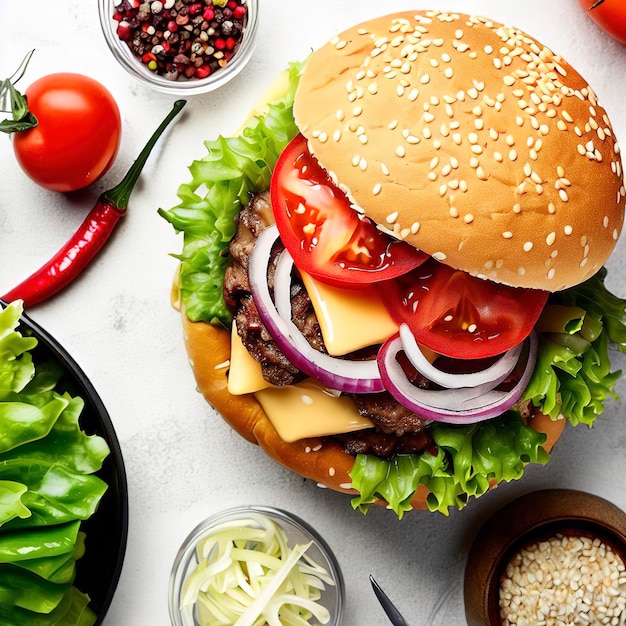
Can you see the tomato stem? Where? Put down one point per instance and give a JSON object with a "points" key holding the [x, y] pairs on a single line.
{"points": [[14, 102], [120, 194]]}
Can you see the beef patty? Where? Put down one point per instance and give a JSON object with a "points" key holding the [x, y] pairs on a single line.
{"points": [[397, 429]]}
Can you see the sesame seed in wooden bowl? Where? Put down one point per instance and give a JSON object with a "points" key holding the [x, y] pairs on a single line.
{"points": [[551, 557]]}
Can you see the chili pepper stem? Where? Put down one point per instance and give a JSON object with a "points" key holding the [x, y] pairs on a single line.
{"points": [[120, 194], [90, 237]]}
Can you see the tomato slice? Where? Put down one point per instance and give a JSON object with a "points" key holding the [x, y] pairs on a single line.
{"points": [[324, 234], [460, 316]]}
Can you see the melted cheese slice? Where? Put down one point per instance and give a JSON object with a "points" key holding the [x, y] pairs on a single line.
{"points": [[296, 411], [245, 375], [349, 319], [308, 410]]}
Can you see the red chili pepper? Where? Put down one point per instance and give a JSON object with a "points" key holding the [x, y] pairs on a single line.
{"points": [[91, 235]]}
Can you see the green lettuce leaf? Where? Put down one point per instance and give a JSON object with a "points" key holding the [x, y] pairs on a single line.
{"points": [[16, 363], [72, 610], [11, 505], [573, 376], [468, 460], [47, 486], [59, 568], [221, 184]]}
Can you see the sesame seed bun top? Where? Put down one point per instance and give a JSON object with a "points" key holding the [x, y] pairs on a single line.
{"points": [[470, 140]]}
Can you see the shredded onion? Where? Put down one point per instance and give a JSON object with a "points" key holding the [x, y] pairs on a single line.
{"points": [[454, 406], [246, 569], [339, 374]]}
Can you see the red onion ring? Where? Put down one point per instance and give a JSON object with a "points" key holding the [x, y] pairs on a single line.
{"points": [[338, 374], [466, 410], [489, 377]]}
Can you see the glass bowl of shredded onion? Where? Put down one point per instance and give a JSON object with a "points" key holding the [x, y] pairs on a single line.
{"points": [[255, 565]]}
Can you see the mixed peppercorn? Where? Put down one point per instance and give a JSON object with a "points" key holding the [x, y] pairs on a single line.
{"points": [[182, 38]]}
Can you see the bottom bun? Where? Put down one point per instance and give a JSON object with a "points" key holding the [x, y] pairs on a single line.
{"points": [[320, 459]]}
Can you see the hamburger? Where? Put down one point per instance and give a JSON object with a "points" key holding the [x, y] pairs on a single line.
{"points": [[392, 279]]}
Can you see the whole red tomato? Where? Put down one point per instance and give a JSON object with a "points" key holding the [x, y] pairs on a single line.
{"points": [[78, 133], [609, 15]]}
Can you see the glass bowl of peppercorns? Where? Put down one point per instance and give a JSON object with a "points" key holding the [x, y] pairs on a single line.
{"points": [[181, 47]]}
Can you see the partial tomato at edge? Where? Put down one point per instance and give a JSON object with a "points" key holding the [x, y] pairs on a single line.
{"points": [[460, 316], [325, 236], [609, 15], [78, 134]]}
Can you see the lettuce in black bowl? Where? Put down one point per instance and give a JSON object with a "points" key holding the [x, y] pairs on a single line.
{"points": [[63, 489]]}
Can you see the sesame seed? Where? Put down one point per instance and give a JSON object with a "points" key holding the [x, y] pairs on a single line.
{"points": [[377, 189], [551, 238], [507, 234], [564, 579], [528, 246], [468, 218]]}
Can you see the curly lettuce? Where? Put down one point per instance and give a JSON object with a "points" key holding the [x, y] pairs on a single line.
{"points": [[468, 460], [221, 184], [573, 377]]}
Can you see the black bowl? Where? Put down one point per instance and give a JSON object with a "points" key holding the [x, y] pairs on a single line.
{"points": [[98, 571]]}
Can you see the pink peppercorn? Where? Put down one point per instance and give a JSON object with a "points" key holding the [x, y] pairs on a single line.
{"points": [[239, 11], [203, 71], [195, 8]]}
